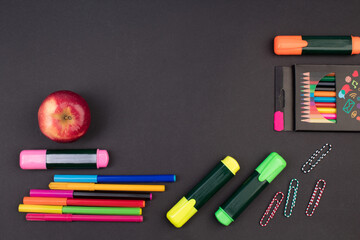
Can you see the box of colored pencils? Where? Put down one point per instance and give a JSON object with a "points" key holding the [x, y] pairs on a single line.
{"points": [[317, 98]]}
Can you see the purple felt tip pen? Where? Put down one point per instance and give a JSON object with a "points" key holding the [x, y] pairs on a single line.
{"points": [[63, 159]]}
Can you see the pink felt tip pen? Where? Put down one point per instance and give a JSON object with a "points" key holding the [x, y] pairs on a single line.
{"points": [[63, 159], [42, 217]]}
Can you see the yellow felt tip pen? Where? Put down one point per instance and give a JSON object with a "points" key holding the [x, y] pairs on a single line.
{"points": [[106, 187]]}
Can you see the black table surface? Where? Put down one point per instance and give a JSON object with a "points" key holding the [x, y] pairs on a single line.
{"points": [[173, 87]]}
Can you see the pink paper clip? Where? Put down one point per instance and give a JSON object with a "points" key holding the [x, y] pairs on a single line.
{"points": [[317, 191], [277, 205]]}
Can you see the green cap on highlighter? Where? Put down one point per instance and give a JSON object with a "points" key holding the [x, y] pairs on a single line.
{"points": [[189, 204], [264, 174]]}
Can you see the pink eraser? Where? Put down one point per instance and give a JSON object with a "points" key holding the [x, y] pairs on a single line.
{"points": [[279, 121]]}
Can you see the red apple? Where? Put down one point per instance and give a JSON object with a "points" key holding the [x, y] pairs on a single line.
{"points": [[64, 116]]}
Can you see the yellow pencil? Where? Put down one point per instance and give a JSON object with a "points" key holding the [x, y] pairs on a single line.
{"points": [[326, 110], [106, 187]]}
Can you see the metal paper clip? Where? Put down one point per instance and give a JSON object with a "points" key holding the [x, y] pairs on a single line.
{"points": [[277, 202], [309, 163], [295, 188], [317, 191]]}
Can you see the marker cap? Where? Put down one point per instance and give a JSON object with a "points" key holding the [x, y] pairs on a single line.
{"points": [[51, 193], [102, 158], [355, 45], [231, 164], [72, 186], [289, 45], [179, 214], [45, 201], [76, 178], [49, 217], [271, 167], [33, 159], [40, 208], [223, 217]]}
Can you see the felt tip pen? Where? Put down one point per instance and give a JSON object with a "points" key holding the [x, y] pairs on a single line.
{"points": [[307, 45], [87, 194], [179, 214], [42, 217], [83, 202], [115, 178], [106, 187], [64, 159], [79, 210], [264, 174]]}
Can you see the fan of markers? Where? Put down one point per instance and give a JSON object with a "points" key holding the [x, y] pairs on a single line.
{"points": [[93, 198]]}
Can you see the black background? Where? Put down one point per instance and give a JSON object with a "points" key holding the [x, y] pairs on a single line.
{"points": [[174, 87]]}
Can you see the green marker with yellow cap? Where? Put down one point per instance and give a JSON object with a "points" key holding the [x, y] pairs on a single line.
{"points": [[188, 205], [264, 174]]}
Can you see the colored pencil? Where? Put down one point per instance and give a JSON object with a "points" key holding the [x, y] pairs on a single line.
{"points": [[326, 110], [330, 89], [82, 202], [320, 94], [81, 218], [331, 75], [106, 187], [319, 120], [325, 94], [310, 114], [325, 99], [325, 105], [329, 115], [326, 84], [328, 78]]}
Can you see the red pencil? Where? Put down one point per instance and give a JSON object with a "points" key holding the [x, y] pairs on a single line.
{"points": [[325, 105]]}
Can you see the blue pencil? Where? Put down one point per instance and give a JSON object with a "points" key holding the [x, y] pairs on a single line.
{"points": [[325, 99], [115, 178]]}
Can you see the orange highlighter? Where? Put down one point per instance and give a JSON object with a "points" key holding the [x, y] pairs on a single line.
{"points": [[316, 45]]}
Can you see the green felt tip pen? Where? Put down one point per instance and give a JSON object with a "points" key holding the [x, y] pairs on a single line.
{"points": [[264, 174], [188, 205]]}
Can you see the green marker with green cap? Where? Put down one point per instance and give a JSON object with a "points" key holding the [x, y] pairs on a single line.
{"points": [[264, 174]]}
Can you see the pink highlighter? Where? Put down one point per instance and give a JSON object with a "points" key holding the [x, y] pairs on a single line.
{"points": [[64, 159]]}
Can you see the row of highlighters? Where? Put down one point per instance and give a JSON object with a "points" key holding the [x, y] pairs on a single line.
{"points": [[103, 198]]}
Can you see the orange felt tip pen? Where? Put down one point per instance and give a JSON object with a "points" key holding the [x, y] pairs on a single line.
{"points": [[316, 45], [106, 187]]}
